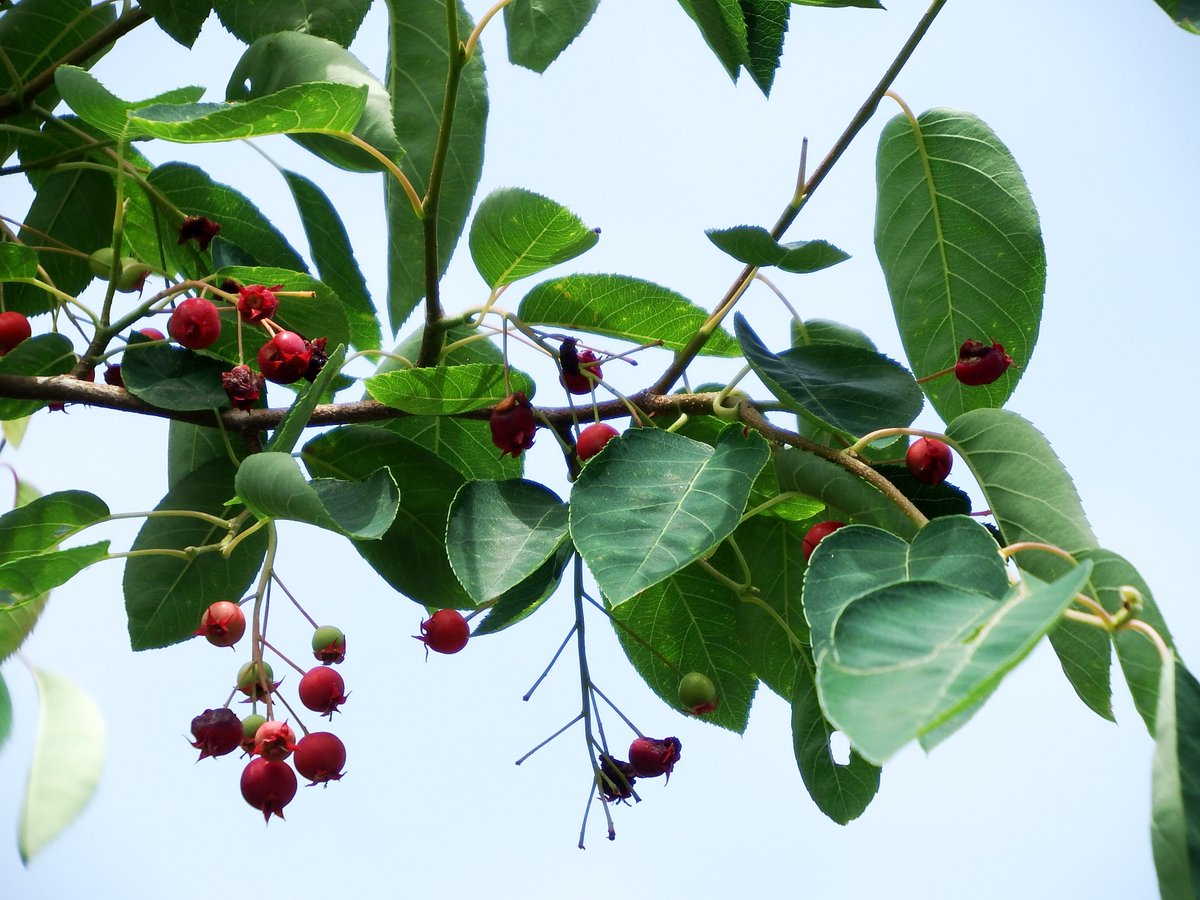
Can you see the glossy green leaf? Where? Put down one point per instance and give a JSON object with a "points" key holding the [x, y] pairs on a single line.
{"points": [[416, 77], [182, 21], [933, 500], [1186, 13], [766, 24], [622, 307], [26, 580], [517, 233], [44, 354], [411, 556], [191, 446], [17, 261], [723, 26], [961, 248], [839, 4], [539, 30], [174, 378], [67, 760], [465, 444], [837, 387], [337, 20], [164, 595], [847, 496], [329, 245], [296, 421], [655, 502], [519, 602], [1032, 498], [903, 660], [271, 484], [754, 246], [1175, 784], [99, 107], [6, 713], [35, 34], [501, 532], [446, 390]]}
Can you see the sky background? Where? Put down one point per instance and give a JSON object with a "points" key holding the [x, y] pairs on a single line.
{"points": [[638, 130]]}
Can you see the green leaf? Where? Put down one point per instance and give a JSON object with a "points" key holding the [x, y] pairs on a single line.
{"points": [[411, 556], [501, 532], [6, 715], [97, 106], [45, 354], [518, 603], [724, 28], [754, 246], [847, 496], [839, 4], [517, 233], [173, 378], [272, 485], [933, 500], [446, 390], [182, 21], [539, 30], [27, 580], [1175, 784], [766, 24], [1186, 13], [905, 659], [337, 20], [36, 34], [1032, 498], [654, 502], [296, 421], [67, 760], [622, 307], [164, 595], [961, 248], [191, 446], [416, 77], [334, 257], [842, 389], [17, 261]]}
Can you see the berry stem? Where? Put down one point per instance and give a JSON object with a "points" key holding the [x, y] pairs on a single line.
{"points": [[722, 578], [599, 693], [635, 636], [800, 326], [873, 436], [760, 603], [283, 587], [542, 744], [279, 653], [256, 621], [469, 46], [767, 504], [1012, 549], [546, 671], [288, 707]]}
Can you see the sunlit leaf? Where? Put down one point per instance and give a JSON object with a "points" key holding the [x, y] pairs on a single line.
{"points": [[539, 30], [517, 233]]}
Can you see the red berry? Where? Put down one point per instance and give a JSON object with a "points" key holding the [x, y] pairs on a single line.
{"points": [[578, 382], [256, 302], [651, 757], [929, 460], [322, 690], [254, 680], [697, 693], [329, 644], [593, 439], [243, 385], [513, 424], [14, 328], [980, 364], [250, 726], [113, 376], [217, 732], [268, 785], [446, 631], [320, 756], [273, 740], [152, 333], [285, 357], [816, 534], [222, 624], [195, 323], [616, 779]]}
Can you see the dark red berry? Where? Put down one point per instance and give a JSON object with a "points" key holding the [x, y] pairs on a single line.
{"points": [[256, 302], [243, 385], [322, 690], [285, 357], [274, 740], [222, 624], [152, 333], [929, 460], [112, 375], [513, 424], [651, 757], [268, 785], [319, 757], [593, 439], [446, 631], [250, 726], [329, 644], [616, 779], [200, 229], [579, 382], [217, 732], [254, 680], [195, 323], [14, 328], [980, 364], [697, 693], [816, 534]]}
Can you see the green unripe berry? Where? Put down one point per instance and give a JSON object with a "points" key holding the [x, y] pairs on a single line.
{"points": [[255, 681], [130, 274], [697, 693], [329, 644], [250, 726]]}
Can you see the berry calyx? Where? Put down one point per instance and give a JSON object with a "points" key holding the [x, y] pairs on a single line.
{"points": [[256, 302], [593, 439], [697, 693], [195, 323], [651, 757], [243, 385], [319, 757], [513, 424], [268, 785], [980, 364], [254, 680], [818, 533], [217, 732], [329, 644], [250, 726], [929, 460], [322, 690], [14, 328], [616, 779], [446, 631], [285, 357], [222, 624], [274, 740], [578, 382]]}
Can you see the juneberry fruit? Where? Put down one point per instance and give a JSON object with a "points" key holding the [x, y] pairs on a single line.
{"points": [[929, 460], [616, 779], [250, 726], [816, 534], [578, 382], [256, 302], [651, 757], [319, 757], [222, 624], [980, 364], [131, 274], [446, 631], [317, 358], [195, 323], [513, 424], [274, 740], [697, 693], [152, 333], [243, 385], [329, 644], [113, 376], [200, 229], [268, 785], [322, 690], [254, 680], [14, 328], [285, 357], [217, 732], [593, 439]]}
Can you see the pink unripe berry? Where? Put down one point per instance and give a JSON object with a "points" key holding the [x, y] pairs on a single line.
{"points": [[320, 756], [446, 631], [195, 323], [322, 690], [268, 785], [929, 460], [274, 740], [222, 624], [816, 534]]}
